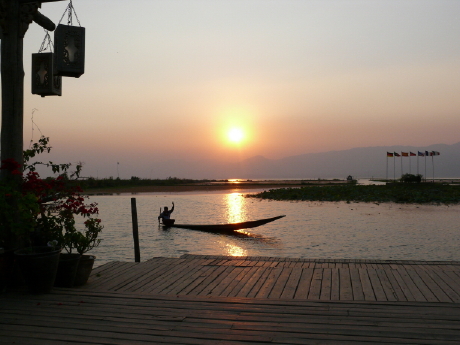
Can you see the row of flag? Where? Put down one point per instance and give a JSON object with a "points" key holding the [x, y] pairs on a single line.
{"points": [[410, 154]]}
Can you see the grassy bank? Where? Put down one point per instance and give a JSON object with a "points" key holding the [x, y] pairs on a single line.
{"points": [[136, 182], [173, 184], [397, 192]]}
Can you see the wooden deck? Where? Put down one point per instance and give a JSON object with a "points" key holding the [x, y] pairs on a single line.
{"points": [[283, 278], [252, 300]]}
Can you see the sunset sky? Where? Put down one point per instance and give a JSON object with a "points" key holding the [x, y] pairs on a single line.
{"points": [[168, 79]]}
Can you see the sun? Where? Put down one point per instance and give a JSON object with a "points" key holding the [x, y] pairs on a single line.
{"points": [[235, 135]]}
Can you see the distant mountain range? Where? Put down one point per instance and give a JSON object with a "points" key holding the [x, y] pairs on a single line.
{"points": [[361, 162]]}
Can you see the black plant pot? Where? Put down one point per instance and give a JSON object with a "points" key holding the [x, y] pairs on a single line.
{"points": [[38, 266], [10, 276], [67, 270], [84, 269]]}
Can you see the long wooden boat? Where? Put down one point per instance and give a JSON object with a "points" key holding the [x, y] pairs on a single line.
{"points": [[223, 228]]}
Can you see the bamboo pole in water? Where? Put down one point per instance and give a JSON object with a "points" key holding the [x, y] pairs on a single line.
{"points": [[137, 253]]}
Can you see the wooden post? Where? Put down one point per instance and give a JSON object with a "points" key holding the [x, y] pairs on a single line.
{"points": [[137, 253], [12, 85], [15, 17]]}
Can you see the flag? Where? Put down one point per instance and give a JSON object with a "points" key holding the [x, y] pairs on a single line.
{"points": [[427, 153], [421, 154], [405, 154], [389, 154], [397, 154], [413, 154], [436, 153]]}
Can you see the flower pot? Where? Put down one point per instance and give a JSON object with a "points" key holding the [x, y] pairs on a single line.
{"points": [[38, 266], [67, 270], [84, 269], [10, 277]]}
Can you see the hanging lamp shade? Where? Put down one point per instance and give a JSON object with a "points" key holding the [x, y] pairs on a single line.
{"points": [[44, 82], [69, 49]]}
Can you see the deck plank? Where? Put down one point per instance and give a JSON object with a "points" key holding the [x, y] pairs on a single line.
{"points": [[304, 283], [222, 282], [356, 285], [434, 286], [335, 284], [174, 275], [315, 287], [269, 283], [215, 272], [145, 276], [197, 278], [234, 287], [411, 286], [194, 272], [366, 284], [397, 288], [422, 286], [86, 317], [158, 276], [446, 283], [386, 285], [346, 292], [251, 279], [292, 283], [281, 282], [326, 285]]}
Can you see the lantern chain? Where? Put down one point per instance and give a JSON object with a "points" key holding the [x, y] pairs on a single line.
{"points": [[47, 43], [70, 10]]}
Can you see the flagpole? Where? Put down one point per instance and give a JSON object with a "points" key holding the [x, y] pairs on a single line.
{"points": [[401, 166], [425, 166], [417, 161], [394, 167], [387, 168], [432, 161]]}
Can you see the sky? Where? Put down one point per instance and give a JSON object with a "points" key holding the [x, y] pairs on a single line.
{"points": [[167, 79]]}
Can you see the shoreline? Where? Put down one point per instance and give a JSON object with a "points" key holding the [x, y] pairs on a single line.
{"points": [[211, 187]]}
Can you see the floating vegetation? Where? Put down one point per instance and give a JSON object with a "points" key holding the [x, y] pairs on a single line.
{"points": [[426, 193]]}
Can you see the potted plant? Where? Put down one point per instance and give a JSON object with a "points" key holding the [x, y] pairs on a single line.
{"points": [[18, 211], [76, 266], [83, 242], [36, 211], [38, 265], [13, 205], [60, 219]]}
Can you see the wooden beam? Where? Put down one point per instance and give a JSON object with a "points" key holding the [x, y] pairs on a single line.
{"points": [[44, 21], [12, 87], [29, 1]]}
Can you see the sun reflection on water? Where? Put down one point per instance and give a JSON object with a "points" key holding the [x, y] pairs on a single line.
{"points": [[235, 207], [234, 250], [236, 211]]}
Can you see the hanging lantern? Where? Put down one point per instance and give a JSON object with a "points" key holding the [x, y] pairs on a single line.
{"points": [[69, 50], [44, 82]]}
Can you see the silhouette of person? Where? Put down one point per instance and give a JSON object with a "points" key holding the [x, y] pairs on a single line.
{"points": [[166, 214]]}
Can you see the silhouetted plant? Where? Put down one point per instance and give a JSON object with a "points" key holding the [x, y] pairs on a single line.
{"points": [[37, 210], [410, 178]]}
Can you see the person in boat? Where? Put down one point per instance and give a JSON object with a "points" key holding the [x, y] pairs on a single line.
{"points": [[166, 214]]}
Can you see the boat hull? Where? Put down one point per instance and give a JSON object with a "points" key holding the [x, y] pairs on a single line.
{"points": [[225, 228]]}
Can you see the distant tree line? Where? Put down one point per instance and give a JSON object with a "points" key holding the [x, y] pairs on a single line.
{"points": [[411, 178], [93, 183], [415, 193]]}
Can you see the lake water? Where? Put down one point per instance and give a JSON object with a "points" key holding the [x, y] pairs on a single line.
{"points": [[309, 230]]}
